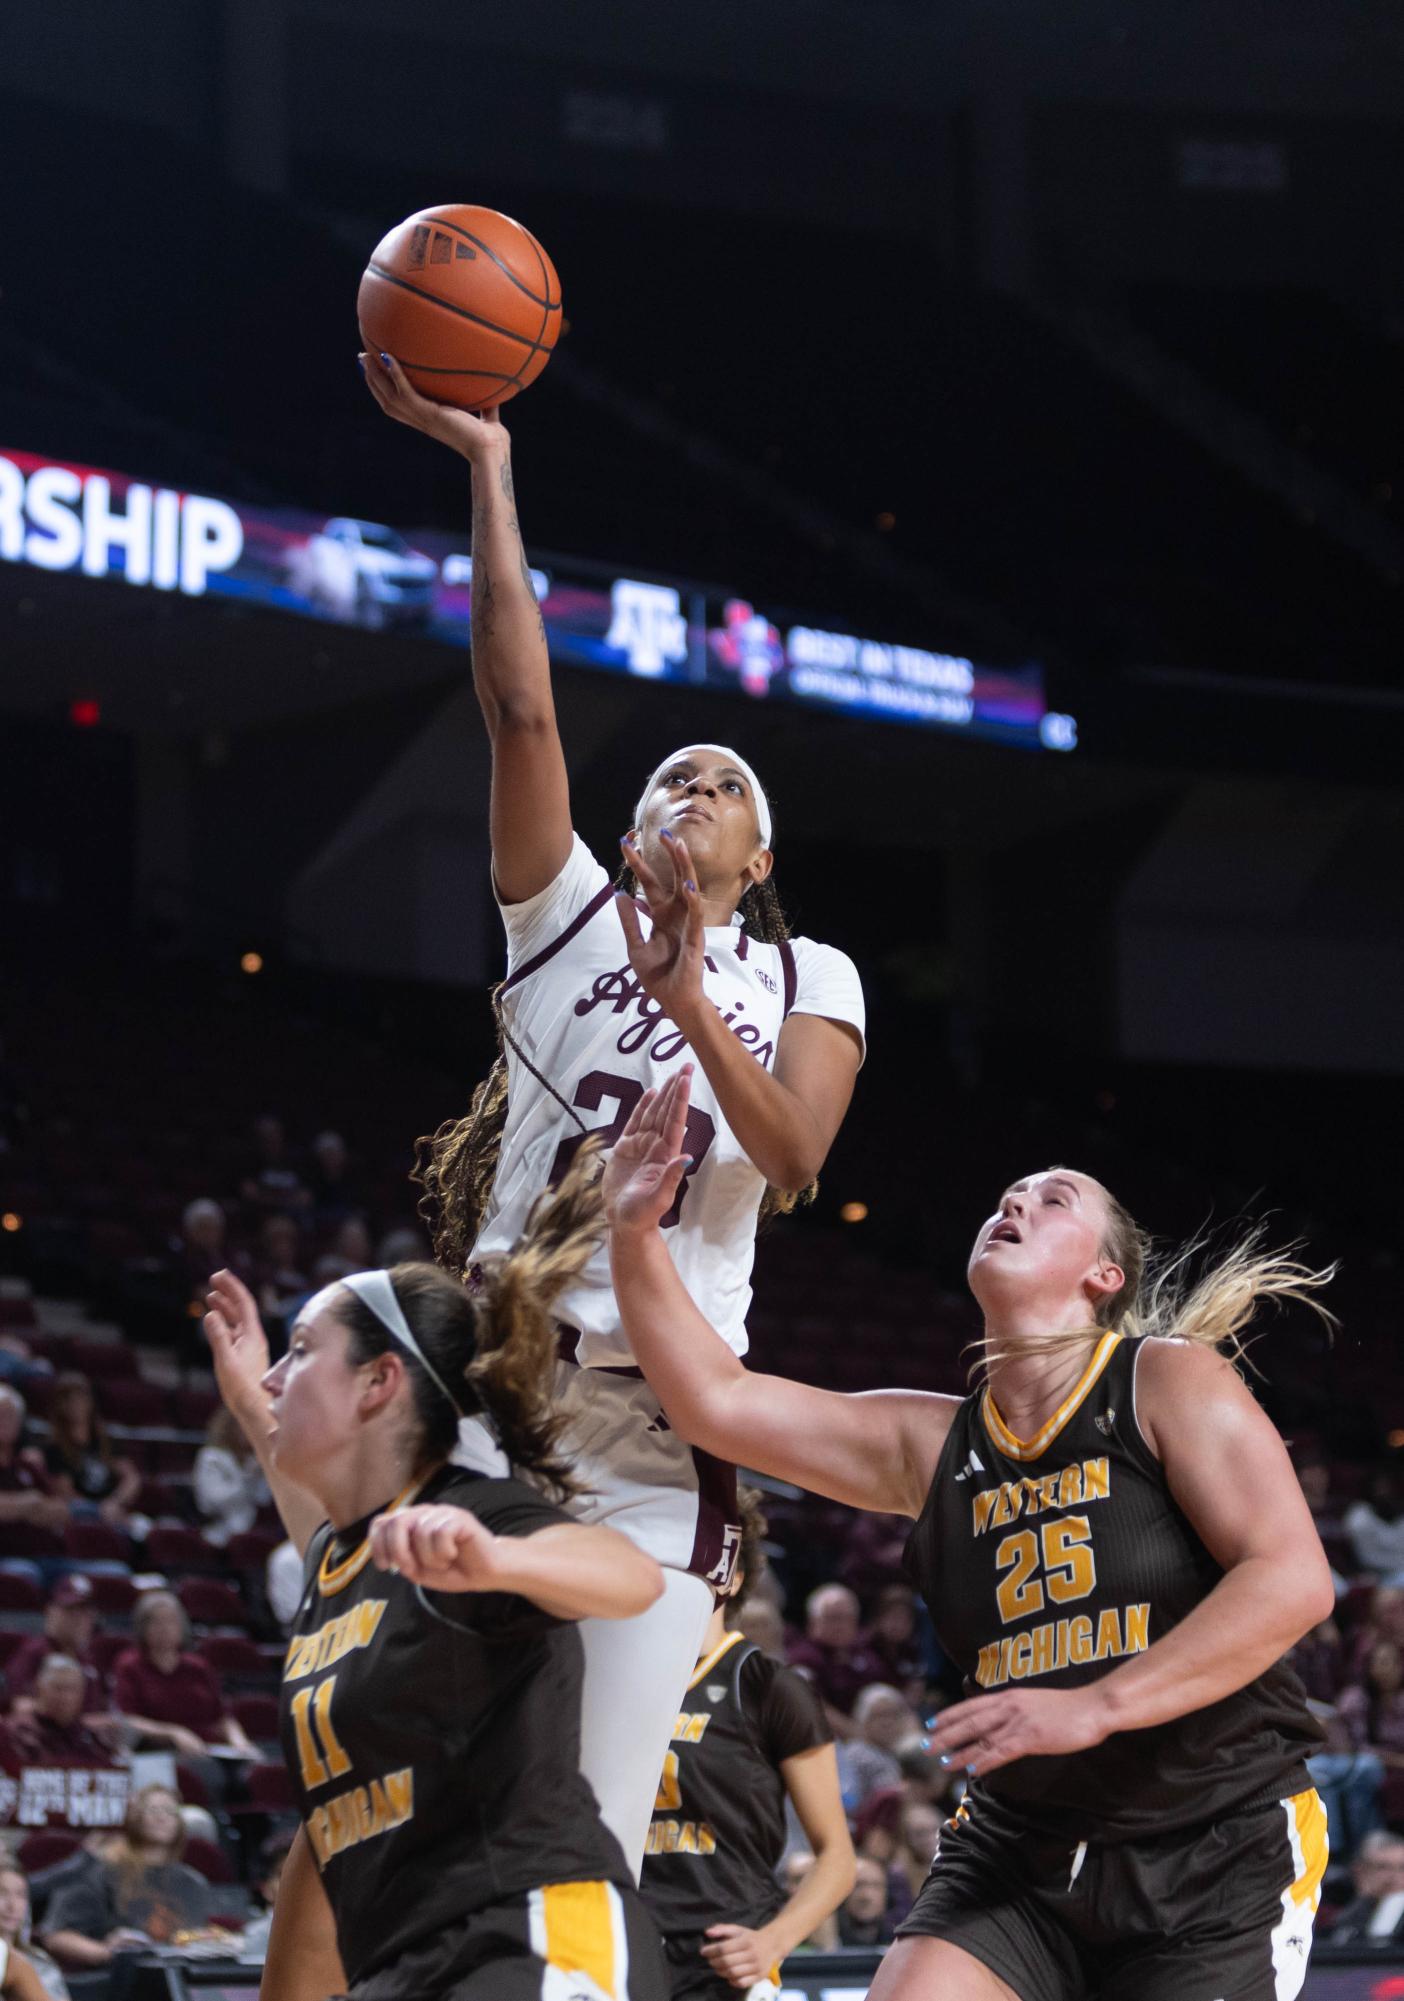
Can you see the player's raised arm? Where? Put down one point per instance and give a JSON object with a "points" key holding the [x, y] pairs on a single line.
{"points": [[530, 805], [878, 1450], [573, 1570]]}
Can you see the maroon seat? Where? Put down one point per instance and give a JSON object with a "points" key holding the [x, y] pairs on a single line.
{"points": [[46, 1846], [252, 1549], [172, 1549], [9, 1641], [190, 1785], [113, 1596], [97, 1542], [106, 1648], [28, 1539], [101, 1359], [195, 1408], [258, 1715], [17, 1312], [209, 1602], [235, 1657], [128, 1400], [18, 1594], [211, 1861], [270, 1789]]}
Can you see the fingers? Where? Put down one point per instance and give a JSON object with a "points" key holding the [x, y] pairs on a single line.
{"points": [[680, 1087], [644, 876], [422, 1543], [629, 919], [639, 1114]]}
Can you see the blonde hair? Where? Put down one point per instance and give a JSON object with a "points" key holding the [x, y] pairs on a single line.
{"points": [[1162, 1298], [494, 1342], [125, 1853]]}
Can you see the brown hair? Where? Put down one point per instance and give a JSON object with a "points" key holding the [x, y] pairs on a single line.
{"points": [[457, 1164], [1161, 1297], [124, 1852], [61, 1432], [750, 1558], [494, 1343]]}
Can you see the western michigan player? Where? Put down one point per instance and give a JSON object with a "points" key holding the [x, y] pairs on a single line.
{"points": [[590, 1020], [750, 1732], [1113, 1546], [431, 1690]]}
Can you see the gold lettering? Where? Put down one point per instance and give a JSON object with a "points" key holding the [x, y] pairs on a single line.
{"points": [[708, 1844], [1096, 1479], [982, 1507], [987, 1673], [1005, 1648], [1042, 1650], [1019, 1657], [691, 1728], [1060, 1657], [1137, 1628], [318, 1836], [1080, 1640], [400, 1787], [1070, 1487], [1003, 1513], [1108, 1636], [1048, 1491]]}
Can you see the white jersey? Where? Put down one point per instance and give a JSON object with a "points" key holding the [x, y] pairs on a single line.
{"points": [[577, 1011]]}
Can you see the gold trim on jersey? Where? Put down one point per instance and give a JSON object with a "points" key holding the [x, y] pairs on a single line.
{"points": [[1032, 1448], [330, 1581], [705, 1667]]}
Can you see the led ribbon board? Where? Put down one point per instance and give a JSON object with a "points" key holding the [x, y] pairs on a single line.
{"points": [[93, 523]]}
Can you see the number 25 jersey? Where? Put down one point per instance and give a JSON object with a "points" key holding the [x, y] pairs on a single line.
{"points": [[579, 1015], [1047, 1562]]}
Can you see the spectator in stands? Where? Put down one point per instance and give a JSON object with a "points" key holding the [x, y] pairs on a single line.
{"points": [[350, 1251], [229, 1487], [200, 1249], [761, 1622], [14, 1932], [868, 1761], [1314, 1477], [271, 1857], [70, 1628], [1318, 1661], [169, 1696], [402, 1246], [873, 1552], [1375, 1526], [863, 1919], [919, 1829], [834, 1654], [50, 1730], [334, 1194], [278, 1278], [79, 1459], [1373, 1707], [1377, 1910], [131, 1891], [20, 1365], [892, 1636], [25, 1494], [1348, 1773], [877, 1836], [272, 1181]]}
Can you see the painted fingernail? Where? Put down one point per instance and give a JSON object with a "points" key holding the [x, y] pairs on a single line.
{"points": [[385, 363], [945, 1761], [692, 886], [688, 1161], [664, 834]]}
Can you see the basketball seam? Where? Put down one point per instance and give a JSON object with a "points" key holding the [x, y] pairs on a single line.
{"points": [[546, 307], [461, 312], [441, 222]]}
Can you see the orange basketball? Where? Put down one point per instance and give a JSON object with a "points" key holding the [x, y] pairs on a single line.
{"points": [[467, 302]]}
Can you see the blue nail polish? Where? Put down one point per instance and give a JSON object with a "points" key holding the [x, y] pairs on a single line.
{"points": [[664, 835], [692, 886], [385, 363], [944, 1761]]}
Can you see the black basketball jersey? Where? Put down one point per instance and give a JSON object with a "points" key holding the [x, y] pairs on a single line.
{"points": [[434, 1740], [718, 1826], [1047, 1561]]}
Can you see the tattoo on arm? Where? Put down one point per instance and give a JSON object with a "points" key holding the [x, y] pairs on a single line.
{"points": [[509, 494]]}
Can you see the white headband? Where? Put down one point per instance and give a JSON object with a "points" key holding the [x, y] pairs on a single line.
{"points": [[732, 757], [374, 1289]]}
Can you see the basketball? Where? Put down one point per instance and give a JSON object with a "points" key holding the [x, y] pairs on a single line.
{"points": [[466, 301]]}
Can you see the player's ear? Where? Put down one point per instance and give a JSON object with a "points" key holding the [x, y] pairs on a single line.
{"points": [[758, 868], [384, 1376]]}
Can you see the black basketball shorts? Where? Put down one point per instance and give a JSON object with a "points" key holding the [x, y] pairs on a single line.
{"points": [[564, 1942], [1216, 1913]]}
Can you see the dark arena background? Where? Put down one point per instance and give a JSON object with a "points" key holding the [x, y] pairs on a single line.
{"points": [[989, 419]]}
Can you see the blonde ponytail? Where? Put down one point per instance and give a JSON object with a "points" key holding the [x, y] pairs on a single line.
{"points": [[1216, 1309], [513, 1373]]}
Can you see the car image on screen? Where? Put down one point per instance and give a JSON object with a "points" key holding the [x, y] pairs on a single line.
{"points": [[365, 574]]}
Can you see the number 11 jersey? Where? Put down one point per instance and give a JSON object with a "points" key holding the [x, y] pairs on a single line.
{"points": [[580, 1017]]}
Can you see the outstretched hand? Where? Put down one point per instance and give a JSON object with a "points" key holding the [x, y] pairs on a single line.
{"points": [[474, 436], [668, 963], [646, 1164], [238, 1344]]}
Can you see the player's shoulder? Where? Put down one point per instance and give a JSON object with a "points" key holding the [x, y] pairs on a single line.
{"points": [[498, 1500], [813, 955]]}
